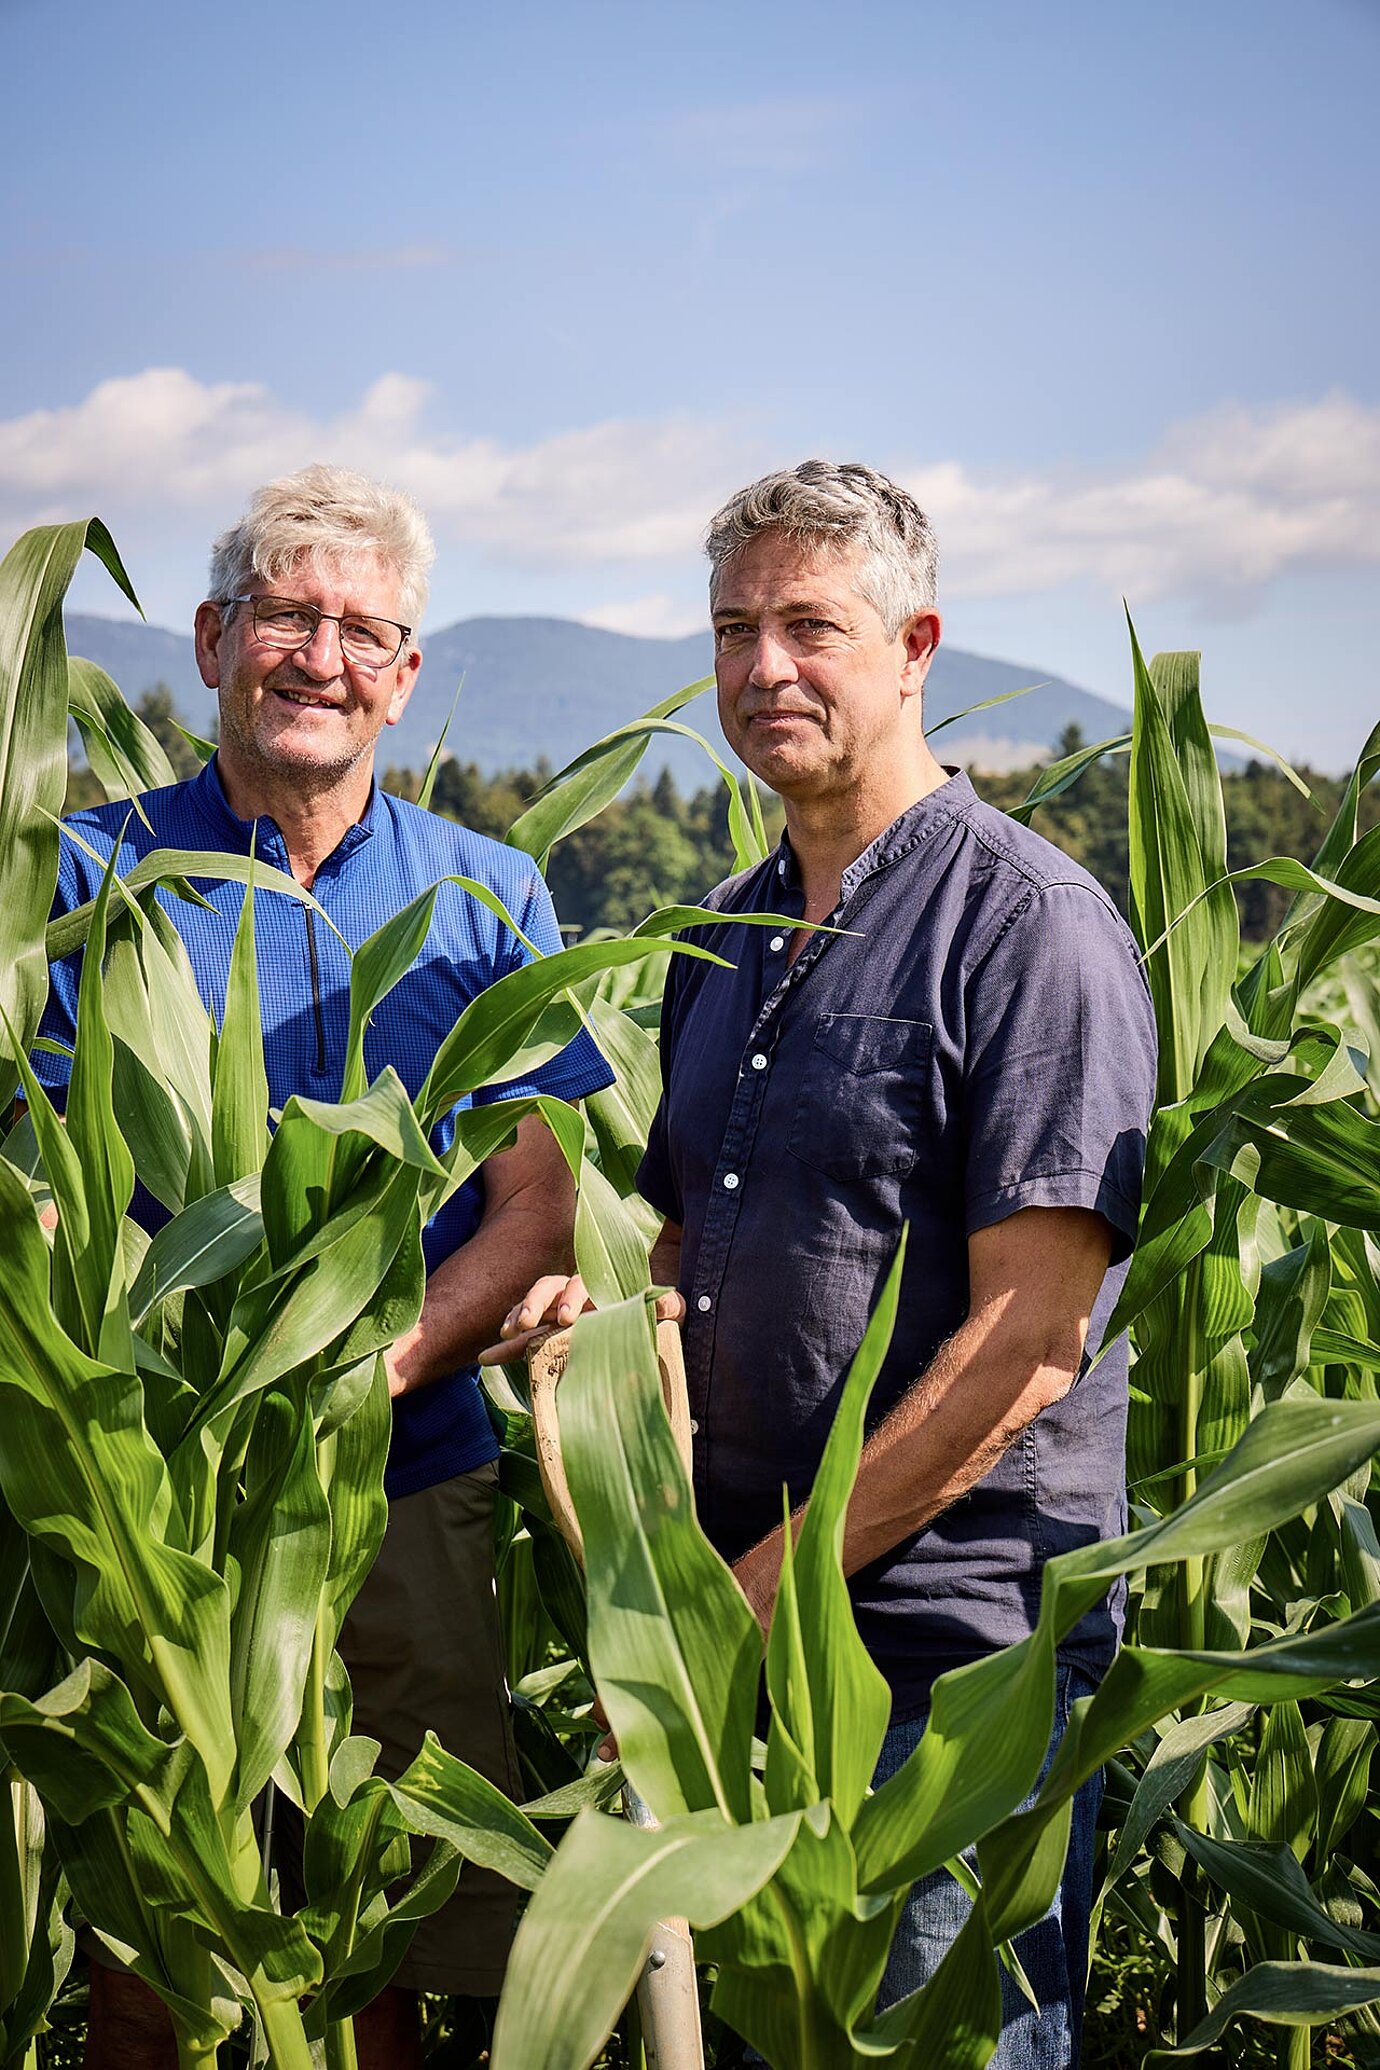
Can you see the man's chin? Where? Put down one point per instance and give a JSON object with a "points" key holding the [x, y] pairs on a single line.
{"points": [[312, 761], [781, 765]]}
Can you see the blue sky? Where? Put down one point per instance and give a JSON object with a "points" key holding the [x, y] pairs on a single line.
{"points": [[1098, 282]]}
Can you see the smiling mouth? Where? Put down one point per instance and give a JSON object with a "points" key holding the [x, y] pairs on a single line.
{"points": [[307, 702]]}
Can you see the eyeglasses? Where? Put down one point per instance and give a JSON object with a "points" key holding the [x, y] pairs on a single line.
{"points": [[285, 623]]}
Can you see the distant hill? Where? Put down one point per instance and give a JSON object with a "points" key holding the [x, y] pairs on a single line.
{"points": [[550, 686]]}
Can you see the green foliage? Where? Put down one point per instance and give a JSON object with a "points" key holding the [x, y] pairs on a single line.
{"points": [[801, 1939], [193, 1432], [194, 1428]]}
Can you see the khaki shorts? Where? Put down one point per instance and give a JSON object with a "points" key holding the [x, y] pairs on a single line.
{"points": [[422, 1644]]}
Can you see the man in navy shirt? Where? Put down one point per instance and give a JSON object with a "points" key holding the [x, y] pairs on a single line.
{"points": [[308, 638], [973, 1057]]}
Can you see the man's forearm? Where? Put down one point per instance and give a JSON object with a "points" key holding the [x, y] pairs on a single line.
{"points": [[526, 1230], [1018, 1352], [973, 1400], [470, 1292]]}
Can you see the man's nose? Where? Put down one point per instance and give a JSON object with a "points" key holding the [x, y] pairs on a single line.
{"points": [[322, 657], [772, 662]]}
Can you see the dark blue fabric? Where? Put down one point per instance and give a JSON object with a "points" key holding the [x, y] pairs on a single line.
{"points": [[393, 853], [981, 1041]]}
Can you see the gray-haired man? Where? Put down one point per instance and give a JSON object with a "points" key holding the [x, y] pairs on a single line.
{"points": [[974, 1057], [308, 639]]}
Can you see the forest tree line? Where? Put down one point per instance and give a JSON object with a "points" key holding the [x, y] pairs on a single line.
{"points": [[658, 845]]}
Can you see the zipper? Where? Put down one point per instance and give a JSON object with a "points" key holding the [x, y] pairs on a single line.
{"points": [[320, 1017]]}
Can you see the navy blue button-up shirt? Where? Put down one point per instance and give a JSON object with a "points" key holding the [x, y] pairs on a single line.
{"points": [[394, 852], [981, 1041]]}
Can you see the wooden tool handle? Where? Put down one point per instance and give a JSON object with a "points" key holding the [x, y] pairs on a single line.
{"points": [[546, 1361], [667, 1995]]}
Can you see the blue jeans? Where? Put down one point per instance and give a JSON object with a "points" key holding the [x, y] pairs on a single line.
{"points": [[1053, 1953]]}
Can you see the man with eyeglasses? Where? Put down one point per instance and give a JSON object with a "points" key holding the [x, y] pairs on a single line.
{"points": [[308, 639]]}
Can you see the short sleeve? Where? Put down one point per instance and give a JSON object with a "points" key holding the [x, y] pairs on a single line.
{"points": [[580, 1069], [1059, 1074]]}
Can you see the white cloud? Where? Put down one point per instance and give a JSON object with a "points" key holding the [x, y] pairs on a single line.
{"points": [[1228, 502], [659, 617], [163, 440]]}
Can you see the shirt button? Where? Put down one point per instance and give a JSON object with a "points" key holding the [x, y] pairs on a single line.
{"points": [[778, 942], [704, 1304], [781, 867], [759, 1062], [694, 1426], [730, 1182]]}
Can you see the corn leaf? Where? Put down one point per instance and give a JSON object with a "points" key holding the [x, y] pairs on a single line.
{"points": [[445, 1798], [239, 1086], [33, 754], [206, 1242], [1292, 1454], [280, 1541], [124, 755], [438, 753], [1177, 859], [97, 1277], [478, 1049], [1287, 1994], [840, 1713], [578, 792], [674, 1647], [583, 1937]]}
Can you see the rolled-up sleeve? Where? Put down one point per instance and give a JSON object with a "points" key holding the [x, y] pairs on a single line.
{"points": [[1060, 1067]]}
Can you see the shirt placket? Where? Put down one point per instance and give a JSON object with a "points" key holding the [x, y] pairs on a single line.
{"points": [[732, 1173], [322, 948]]}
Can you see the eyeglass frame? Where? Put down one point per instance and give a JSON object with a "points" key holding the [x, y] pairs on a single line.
{"points": [[336, 618]]}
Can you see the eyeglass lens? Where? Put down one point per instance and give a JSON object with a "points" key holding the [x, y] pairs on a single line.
{"points": [[282, 622]]}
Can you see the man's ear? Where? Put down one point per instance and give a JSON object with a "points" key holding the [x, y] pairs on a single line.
{"points": [[207, 632], [408, 666], [921, 635]]}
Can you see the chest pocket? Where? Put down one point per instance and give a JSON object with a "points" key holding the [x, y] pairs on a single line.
{"points": [[861, 1104]]}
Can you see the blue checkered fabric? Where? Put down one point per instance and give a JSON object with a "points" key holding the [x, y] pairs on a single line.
{"points": [[393, 853]]}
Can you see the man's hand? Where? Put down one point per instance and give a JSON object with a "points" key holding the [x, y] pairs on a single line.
{"points": [[553, 1302], [396, 1358]]}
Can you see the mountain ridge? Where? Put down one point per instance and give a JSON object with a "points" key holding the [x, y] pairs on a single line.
{"points": [[538, 686]]}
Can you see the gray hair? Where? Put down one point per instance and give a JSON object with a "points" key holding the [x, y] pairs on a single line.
{"points": [[325, 514], [846, 507]]}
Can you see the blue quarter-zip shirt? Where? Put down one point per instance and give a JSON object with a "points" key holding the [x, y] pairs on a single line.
{"points": [[395, 851]]}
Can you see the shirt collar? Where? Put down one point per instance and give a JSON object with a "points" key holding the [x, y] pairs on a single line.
{"points": [[263, 834], [952, 799]]}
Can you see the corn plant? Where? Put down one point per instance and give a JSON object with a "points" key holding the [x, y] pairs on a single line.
{"points": [[195, 1425], [191, 1458], [792, 1870], [1254, 1291]]}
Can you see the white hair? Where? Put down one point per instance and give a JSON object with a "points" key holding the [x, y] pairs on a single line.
{"points": [[325, 514], [845, 507]]}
